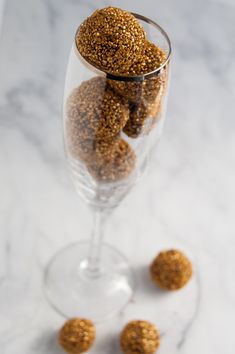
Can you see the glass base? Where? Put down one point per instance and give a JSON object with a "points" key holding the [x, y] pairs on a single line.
{"points": [[76, 292]]}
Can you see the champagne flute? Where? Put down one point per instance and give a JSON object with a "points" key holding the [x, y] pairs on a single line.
{"points": [[108, 148]]}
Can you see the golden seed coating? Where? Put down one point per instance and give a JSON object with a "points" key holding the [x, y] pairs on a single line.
{"points": [[143, 118], [140, 337], [148, 89], [154, 87], [95, 111], [171, 270], [110, 38], [88, 150], [153, 57], [77, 335], [119, 164], [132, 91]]}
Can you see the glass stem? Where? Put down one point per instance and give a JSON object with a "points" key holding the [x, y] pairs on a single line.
{"points": [[94, 256]]}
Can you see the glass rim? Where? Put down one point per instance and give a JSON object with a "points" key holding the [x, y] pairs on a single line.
{"points": [[140, 77]]}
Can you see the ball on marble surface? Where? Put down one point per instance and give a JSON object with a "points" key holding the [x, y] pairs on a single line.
{"points": [[139, 337], [77, 335], [171, 270], [111, 39]]}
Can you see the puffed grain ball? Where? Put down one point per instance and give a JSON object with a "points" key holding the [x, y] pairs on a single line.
{"points": [[95, 111], [90, 149], [111, 39], [155, 87], [77, 335], [171, 270], [153, 58], [115, 167], [148, 89], [140, 337], [130, 90], [143, 118]]}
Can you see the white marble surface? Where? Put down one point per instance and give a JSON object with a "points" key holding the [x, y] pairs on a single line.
{"points": [[2, 3], [187, 199]]}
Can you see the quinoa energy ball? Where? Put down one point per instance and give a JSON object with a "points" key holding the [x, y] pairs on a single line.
{"points": [[118, 165], [143, 117], [153, 57], [171, 270], [89, 150], [77, 335], [110, 38], [139, 337], [94, 111]]}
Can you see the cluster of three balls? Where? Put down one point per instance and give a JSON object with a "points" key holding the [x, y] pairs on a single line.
{"points": [[171, 270]]}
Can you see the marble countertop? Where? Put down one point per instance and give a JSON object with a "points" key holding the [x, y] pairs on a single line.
{"points": [[2, 3], [185, 201]]}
